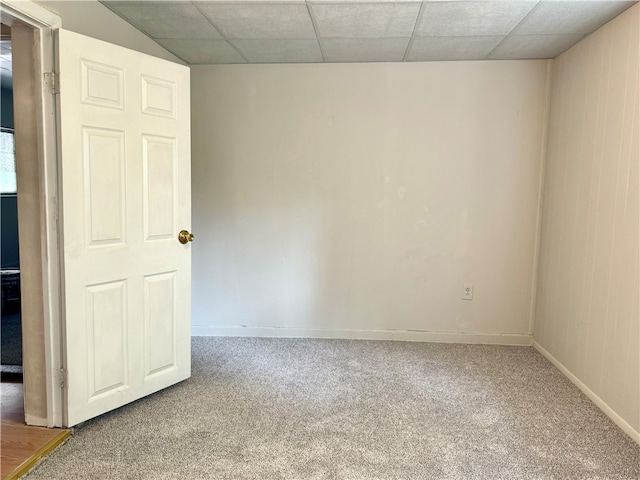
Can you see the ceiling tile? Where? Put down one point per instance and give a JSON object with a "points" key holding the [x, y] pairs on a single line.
{"points": [[425, 49], [517, 47], [264, 20], [564, 17], [199, 51], [166, 19], [471, 18], [364, 49], [365, 20], [280, 50]]}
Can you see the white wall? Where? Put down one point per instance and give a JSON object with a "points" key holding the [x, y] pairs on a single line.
{"points": [[587, 304], [355, 200], [91, 18]]}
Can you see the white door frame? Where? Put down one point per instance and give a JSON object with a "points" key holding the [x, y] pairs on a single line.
{"points": [[45, 22]]}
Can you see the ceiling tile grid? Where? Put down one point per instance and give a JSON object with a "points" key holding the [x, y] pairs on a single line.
{"points": [[313, 31]]}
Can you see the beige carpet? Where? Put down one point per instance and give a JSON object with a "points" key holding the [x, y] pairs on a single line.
{"points": [[333, 409]]}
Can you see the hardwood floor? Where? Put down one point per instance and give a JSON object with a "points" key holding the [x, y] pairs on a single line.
{"points": [[21, 446]]}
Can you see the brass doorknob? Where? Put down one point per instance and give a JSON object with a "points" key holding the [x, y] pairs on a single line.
{"points": [[185, 237]]}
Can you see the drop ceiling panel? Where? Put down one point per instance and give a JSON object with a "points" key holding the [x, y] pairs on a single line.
{"points": [[534, 46], [264, 20], [566, 17], [365, 20], [166, 19], [283, 31], [364, 49], [425, 49], [457, 19], [199, 51], [280, 50]]}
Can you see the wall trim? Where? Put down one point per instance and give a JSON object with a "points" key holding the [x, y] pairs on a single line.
{"points": [[47, 344], [601, 404], [354, 334]]}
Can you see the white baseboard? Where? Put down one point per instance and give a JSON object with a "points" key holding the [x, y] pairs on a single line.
{"points": [[352, 334], [601, 404]]}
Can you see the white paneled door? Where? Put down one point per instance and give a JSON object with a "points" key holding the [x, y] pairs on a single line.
{"points": [[125, 144]]}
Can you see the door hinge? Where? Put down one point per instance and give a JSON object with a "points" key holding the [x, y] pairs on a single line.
{"points": [[62, 378], [52, 82]]}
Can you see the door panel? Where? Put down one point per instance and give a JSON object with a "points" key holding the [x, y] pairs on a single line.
{"points": [[102, 85], [107, 335], [160, 317], [160, 196], [124, 121], [104, 186], [158, 97]]}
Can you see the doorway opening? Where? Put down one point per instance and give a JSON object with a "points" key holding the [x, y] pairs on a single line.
{"points": [[23, 359], [30, 283]]}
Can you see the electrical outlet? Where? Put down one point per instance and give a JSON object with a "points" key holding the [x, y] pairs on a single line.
{"points": [[467, 291]]}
